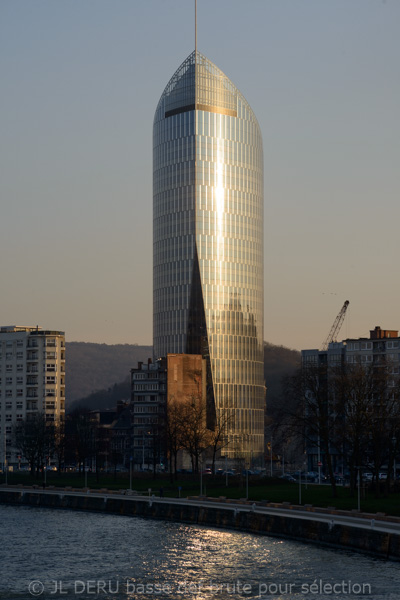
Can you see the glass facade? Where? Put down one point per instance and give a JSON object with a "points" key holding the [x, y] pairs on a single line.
{"points": [[208, 243]]}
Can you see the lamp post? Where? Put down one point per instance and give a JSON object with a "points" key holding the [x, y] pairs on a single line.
{"points": [[358, 489], [319, 460], [300, 485], [271, 456]]}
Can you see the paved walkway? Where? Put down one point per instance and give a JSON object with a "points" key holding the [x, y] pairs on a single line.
{"points": [[359, 520]]}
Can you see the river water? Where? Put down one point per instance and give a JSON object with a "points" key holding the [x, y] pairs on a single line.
{"points": [[56, 554]]}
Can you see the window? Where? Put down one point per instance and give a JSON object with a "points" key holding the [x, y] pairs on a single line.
{"points": [[335, 358], [392, 345], [366, 345], [8, 405], [9, 344], [8, 355], [20, 343], [20, 380], [19, 417], [20, 393], [366, 358], [8, 418], [19, 405], [20, 355], [8, 380], [8, 368], [20, 368], [353, 346], [8, 393]]}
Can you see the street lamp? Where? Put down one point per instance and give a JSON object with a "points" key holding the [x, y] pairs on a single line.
{"points": [[394, 440], [201, 475], [271, 455], [359, 489], [300, 485]]}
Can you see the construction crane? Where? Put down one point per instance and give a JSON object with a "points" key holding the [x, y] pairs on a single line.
{"points": [[336, 326]]}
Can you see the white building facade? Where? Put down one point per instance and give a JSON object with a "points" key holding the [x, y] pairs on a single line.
{"points": [[32, 380]]}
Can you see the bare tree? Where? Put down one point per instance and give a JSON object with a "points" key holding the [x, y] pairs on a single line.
{"points": [[218, 438], [34, 438], [368, 400], [174, 434], [195, 437], [315, 417]]}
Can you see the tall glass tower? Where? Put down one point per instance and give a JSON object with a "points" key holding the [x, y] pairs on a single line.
{"points": [[208, 243]]}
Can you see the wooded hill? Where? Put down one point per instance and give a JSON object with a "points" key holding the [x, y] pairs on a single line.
{"points": [[97, 375], [94, 367]]}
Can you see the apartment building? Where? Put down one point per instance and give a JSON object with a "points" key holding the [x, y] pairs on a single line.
{"points": [[381, 350], [32, 380]]}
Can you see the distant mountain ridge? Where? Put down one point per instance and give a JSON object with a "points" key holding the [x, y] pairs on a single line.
{"points": [[97, 375], [93, 367]]}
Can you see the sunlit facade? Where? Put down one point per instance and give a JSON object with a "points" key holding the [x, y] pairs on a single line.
{"points": [[208, 243]]}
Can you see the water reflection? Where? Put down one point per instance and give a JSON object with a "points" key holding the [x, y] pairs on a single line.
{"points": [[81, 555]]}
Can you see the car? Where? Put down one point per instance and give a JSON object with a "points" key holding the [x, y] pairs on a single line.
{"points": [[288, 477]]}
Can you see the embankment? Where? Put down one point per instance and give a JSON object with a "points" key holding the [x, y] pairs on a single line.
{"points": [[372, 534]]}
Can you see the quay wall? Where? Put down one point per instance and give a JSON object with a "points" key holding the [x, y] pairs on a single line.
{"points": [[374, 542]]}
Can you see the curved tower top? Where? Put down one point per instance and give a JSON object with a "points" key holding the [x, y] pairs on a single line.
{"points": [[198, 84]]}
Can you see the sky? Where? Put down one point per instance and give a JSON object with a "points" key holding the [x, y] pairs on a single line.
{"points": [[80, 81]]}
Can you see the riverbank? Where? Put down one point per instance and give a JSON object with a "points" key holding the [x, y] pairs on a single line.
{"points": [[258, 489], [374, 534]]}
